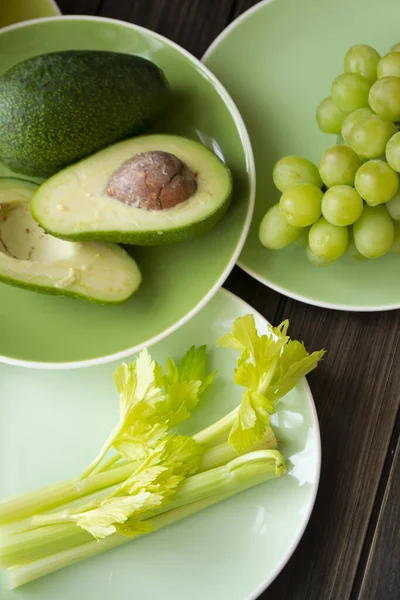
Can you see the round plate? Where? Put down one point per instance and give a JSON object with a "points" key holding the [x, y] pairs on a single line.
{"points": [[278, 61], [45, 331], [255, 532]]}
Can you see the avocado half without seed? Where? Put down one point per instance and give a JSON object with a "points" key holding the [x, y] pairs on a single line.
{"points": [[146, 191], [32, 259]]}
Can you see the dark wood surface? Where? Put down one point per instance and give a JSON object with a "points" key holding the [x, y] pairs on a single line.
{"points": [[351, 548]]}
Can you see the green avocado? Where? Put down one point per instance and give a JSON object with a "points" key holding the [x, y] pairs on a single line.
{"points": [[57, 108], [147, 191], [32, 259]]}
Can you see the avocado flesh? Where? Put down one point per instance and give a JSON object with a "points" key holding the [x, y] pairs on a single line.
{"points": [[73, 204], [32, 259], [59, 107]]}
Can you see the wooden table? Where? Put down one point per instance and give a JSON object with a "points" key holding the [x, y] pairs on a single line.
{"points": [[351, 548]]}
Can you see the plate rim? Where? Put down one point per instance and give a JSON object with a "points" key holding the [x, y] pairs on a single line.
{"points": [[254, 595], [241, 263], [250, 165], [307, 511]]}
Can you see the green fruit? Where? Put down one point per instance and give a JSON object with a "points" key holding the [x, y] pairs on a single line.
{"points": [[32, 259], [57, 108], [148, 191], [373, 232], [275, 232]]}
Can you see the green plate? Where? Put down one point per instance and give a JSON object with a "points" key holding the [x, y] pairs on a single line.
{"points": [[278, 61], [231, 551], [178, 280]]}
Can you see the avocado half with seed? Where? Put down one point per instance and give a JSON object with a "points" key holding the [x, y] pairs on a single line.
{"points": [[148, 191], [32, 259]]}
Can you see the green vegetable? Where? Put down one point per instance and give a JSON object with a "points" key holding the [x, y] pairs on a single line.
{"points": [[259, 468], [156, 476], [60, 107], [269, 367]]}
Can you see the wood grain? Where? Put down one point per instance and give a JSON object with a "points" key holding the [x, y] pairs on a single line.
{"points": [[382, 574], [357, 394], [191, 24], [356, 390], [79, 7]]}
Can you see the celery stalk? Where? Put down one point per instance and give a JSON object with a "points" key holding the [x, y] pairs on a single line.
{"points": [[218, 431], [37, 543], [210, 487], [108, 464], [27, 504], [214, 456]]}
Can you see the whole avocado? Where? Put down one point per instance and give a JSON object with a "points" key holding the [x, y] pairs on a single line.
{"points": [[58, 108]]}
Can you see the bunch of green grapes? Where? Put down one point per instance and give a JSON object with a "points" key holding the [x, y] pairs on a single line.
{"points": [[351, 201]]}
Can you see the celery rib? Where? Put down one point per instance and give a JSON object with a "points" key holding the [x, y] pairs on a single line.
{"points": [[38, 543], [242, 473], [25, 505]]}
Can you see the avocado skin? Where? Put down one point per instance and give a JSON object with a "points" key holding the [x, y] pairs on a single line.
{"points": [[51, 291], [58, 108], [146, 238]]}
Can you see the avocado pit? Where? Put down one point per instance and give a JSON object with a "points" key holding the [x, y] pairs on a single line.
{"points": [[152, 181]]}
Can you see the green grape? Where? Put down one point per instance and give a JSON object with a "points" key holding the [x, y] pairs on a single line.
{"points": [[339, 165], [354, 117], [329, 116], [376, 182], [350, 91], [369, 137], [292, 170], [275, 233], [362, 59], [384, 98], [395, 247], [395, 48], [389, 65], [393, 207], [342, 205], [354, 253], [393, 152], [328, 241], [301, 205], [373, 232], [316, 260]]}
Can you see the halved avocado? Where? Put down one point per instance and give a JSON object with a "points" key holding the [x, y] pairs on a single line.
{"points": [[147, 191], [33, 259]]}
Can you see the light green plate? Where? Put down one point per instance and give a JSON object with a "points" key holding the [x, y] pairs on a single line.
{"points": [[229, 552], [278, 61], [177, 280]]}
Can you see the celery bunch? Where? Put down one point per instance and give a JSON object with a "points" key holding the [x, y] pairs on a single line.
{"points": [[146, 475]]}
